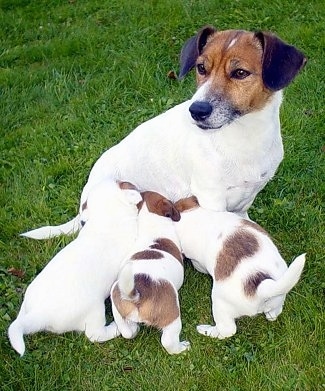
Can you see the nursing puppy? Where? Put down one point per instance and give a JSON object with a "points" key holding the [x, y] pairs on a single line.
{"points": [[146, 290], [249, 275], [224, 144], [69, 293]]}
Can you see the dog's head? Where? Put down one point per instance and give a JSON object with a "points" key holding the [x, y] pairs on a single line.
{"points": [[160, 205], [237, 72]]}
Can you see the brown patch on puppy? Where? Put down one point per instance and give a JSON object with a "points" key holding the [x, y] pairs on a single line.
{"points": [[186, 204], [232, 63], [160, 205], [168, 246], [155, 301], [124, 307], [147, 254], [255, 226], [241, 244], [253, 281]]}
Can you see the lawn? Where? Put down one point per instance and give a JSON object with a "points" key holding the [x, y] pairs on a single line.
{"points": [[76, 76]]}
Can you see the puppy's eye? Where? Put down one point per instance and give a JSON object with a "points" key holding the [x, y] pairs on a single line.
{"points": [[240, 74], [201, 69]]}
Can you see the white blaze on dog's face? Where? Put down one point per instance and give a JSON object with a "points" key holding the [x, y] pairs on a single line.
{"points": [[237, 73]]}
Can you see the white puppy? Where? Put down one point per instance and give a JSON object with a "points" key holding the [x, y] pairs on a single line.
{"points": [[70, 291], [146, 290], [225, 143], [249, 275]]}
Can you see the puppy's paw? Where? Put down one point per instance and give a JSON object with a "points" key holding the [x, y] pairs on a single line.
{"points": [[209, 331], [103, 334], [271, 316], [130, 331], [215, 332], [179, 348]]}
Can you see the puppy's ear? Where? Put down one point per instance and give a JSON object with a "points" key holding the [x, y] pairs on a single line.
{"points": [[193, 48], [169, 210], [132, 196], [126, 185], [281, 62]]}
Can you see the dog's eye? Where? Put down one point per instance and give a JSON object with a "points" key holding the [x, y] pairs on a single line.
{"points": [[201, 69], [239, 74]]}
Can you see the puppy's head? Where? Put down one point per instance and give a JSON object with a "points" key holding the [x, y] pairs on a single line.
{"points": [[109, 196], [160, 205], [237, 72]]}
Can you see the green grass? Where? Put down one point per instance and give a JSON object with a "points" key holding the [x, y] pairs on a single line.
{"points": [[75, 78]]}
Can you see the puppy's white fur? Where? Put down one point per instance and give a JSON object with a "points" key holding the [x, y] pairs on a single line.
{"points": [[225, 159], [70, 291], [249, 275], [146, 290]]}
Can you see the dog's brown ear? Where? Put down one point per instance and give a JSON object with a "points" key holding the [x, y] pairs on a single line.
{"points": [[169, 210], [193, 48], [281, 62]]}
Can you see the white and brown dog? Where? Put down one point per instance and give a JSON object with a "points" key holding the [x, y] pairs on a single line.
{"points": [[249, 275], [146, 290], [225, 143], [70, 291]]}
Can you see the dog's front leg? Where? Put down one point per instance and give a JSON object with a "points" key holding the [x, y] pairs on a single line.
{"points": [[209, 195]]}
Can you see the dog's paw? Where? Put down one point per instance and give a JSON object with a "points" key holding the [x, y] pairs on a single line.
{"points": [[209, 331], [179, 348], [271, 316], [215, 332], [103, 334], [130, 331]]}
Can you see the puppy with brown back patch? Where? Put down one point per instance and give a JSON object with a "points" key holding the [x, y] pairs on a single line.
{"points": [[249, 275], [224, 144], [147, 287]]}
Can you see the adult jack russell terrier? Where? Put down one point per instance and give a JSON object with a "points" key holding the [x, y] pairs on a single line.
{"points": [[249, 275], [224, 144], [146, 290], [69, 293]]}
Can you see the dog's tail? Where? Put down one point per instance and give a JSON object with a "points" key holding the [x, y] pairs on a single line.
{"points": [[126, 283], [269, 288], [25, 323], [50, 231], [16, 336]]}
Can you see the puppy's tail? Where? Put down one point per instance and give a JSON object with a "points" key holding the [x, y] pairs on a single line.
{"points": [[25, 323], [16, 336], [50, 231], [126, 283], [270, 288]]}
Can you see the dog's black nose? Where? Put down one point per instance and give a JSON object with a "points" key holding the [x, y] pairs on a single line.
{"points": [[200, 110]]}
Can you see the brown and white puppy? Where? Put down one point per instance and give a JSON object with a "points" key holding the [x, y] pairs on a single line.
{"points": [[146, 290], [249, 275], [224, 144]]}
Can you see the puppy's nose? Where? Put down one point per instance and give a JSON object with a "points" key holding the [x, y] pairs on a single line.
{"points": [[200, 110]]}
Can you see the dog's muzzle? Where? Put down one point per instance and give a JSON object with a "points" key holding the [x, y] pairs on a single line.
{"points": [[200, 111]]}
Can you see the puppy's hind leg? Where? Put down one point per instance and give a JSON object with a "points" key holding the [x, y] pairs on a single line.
{"points": [[95, 328], [225, 325], [129, 329], [170, 338]]}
